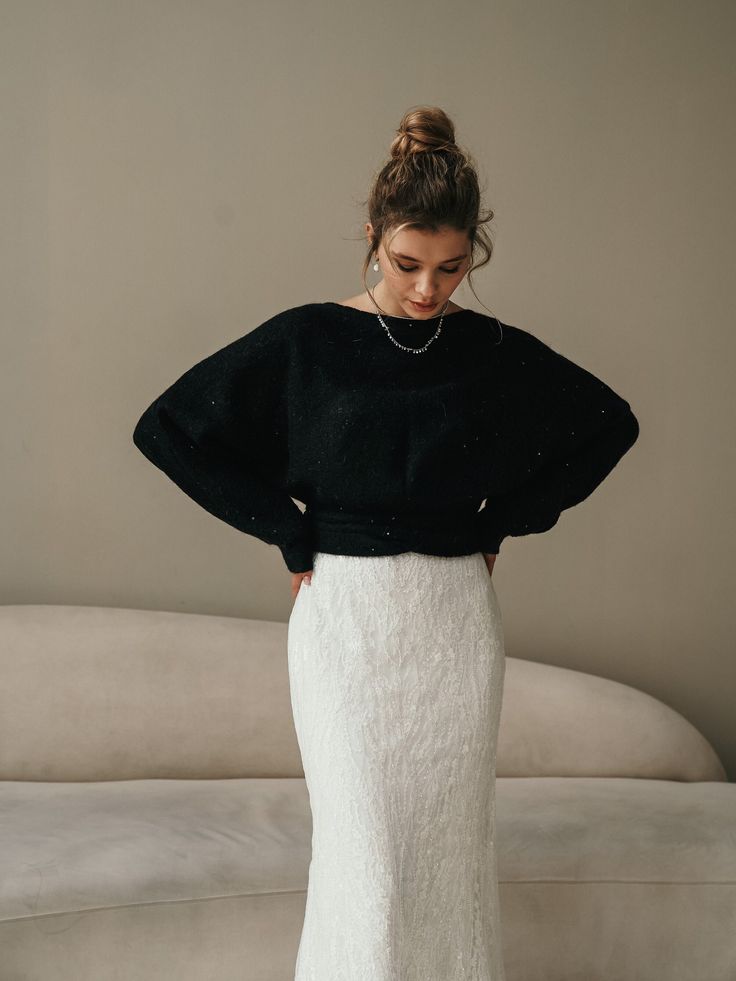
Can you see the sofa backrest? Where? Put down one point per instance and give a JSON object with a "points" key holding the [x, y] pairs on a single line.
{"points": [[101, 693], [560, 722]]}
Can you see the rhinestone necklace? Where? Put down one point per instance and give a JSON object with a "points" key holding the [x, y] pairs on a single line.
{"points": [[412, 350]]}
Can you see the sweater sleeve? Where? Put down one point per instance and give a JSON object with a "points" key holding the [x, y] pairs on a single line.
{"points": [[579, 429], [220, 434]]}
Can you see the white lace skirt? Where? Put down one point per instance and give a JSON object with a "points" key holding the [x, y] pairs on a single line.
{"points": [[396, 668]]}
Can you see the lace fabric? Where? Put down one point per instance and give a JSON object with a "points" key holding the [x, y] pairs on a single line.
{"points": [[396, 670]]}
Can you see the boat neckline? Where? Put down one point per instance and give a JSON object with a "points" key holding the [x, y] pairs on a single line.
{"points": [[372, 313]]}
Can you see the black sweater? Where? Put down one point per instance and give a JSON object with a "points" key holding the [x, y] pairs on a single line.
{"points": [[390, 451]]}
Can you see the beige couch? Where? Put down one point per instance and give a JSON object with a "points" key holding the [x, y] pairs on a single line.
{"points": [[155, 822]]}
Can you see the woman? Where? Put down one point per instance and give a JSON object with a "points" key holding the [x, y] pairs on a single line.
{"points": [[393, 415]]}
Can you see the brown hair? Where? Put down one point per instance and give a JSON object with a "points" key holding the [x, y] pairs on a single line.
{"points": [[428, 182]]}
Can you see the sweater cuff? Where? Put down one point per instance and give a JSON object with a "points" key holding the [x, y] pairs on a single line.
{"points": [[298, 556], [488, 532], [491, 545]]}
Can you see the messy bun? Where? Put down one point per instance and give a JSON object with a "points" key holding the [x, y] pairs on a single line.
{"points": [[428, 182], [422, 130]]}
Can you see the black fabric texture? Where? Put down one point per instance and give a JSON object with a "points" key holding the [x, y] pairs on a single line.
{"points": [[388, 451]]}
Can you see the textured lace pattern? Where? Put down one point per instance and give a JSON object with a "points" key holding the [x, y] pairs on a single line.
{"points": [[396, 668]]}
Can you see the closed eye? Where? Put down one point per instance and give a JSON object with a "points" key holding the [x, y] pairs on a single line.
{"points": [[412, 268]]}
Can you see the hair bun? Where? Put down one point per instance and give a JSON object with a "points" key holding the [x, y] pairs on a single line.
{"points": [[424, 129]]}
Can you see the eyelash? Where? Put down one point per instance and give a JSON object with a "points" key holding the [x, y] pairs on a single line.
{"points": [[412, 268]]}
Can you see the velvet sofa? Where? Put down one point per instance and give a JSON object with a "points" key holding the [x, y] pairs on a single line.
{"points": [[155, 822]]}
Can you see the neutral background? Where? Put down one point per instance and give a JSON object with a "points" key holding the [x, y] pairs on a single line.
{"points": [[176, 172]]}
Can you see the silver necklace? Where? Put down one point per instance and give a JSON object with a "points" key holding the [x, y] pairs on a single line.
{"points": [[412, 350]]}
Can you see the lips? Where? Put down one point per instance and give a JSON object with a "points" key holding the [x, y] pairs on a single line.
{"points": [[424, 306]]}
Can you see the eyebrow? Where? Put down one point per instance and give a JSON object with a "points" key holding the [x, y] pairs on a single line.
{"points": [[403, 255]]}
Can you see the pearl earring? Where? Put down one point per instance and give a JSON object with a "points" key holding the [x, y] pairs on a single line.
{"points": [[375, 265]]}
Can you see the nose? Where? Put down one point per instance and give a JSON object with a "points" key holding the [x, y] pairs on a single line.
{"points": [[426, 289]]}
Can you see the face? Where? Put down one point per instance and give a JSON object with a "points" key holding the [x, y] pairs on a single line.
{"points": [[429, 268]]}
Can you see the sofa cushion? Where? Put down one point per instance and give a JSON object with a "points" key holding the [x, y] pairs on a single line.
{"points": [[616, 879], [616, 829], [76, 845], [600, 878]]}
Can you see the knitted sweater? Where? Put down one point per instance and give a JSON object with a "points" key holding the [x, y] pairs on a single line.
{"points": [[389, 451]]}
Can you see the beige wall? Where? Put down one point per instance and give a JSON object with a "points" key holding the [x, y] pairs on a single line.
{"points": [[179, 171]]}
